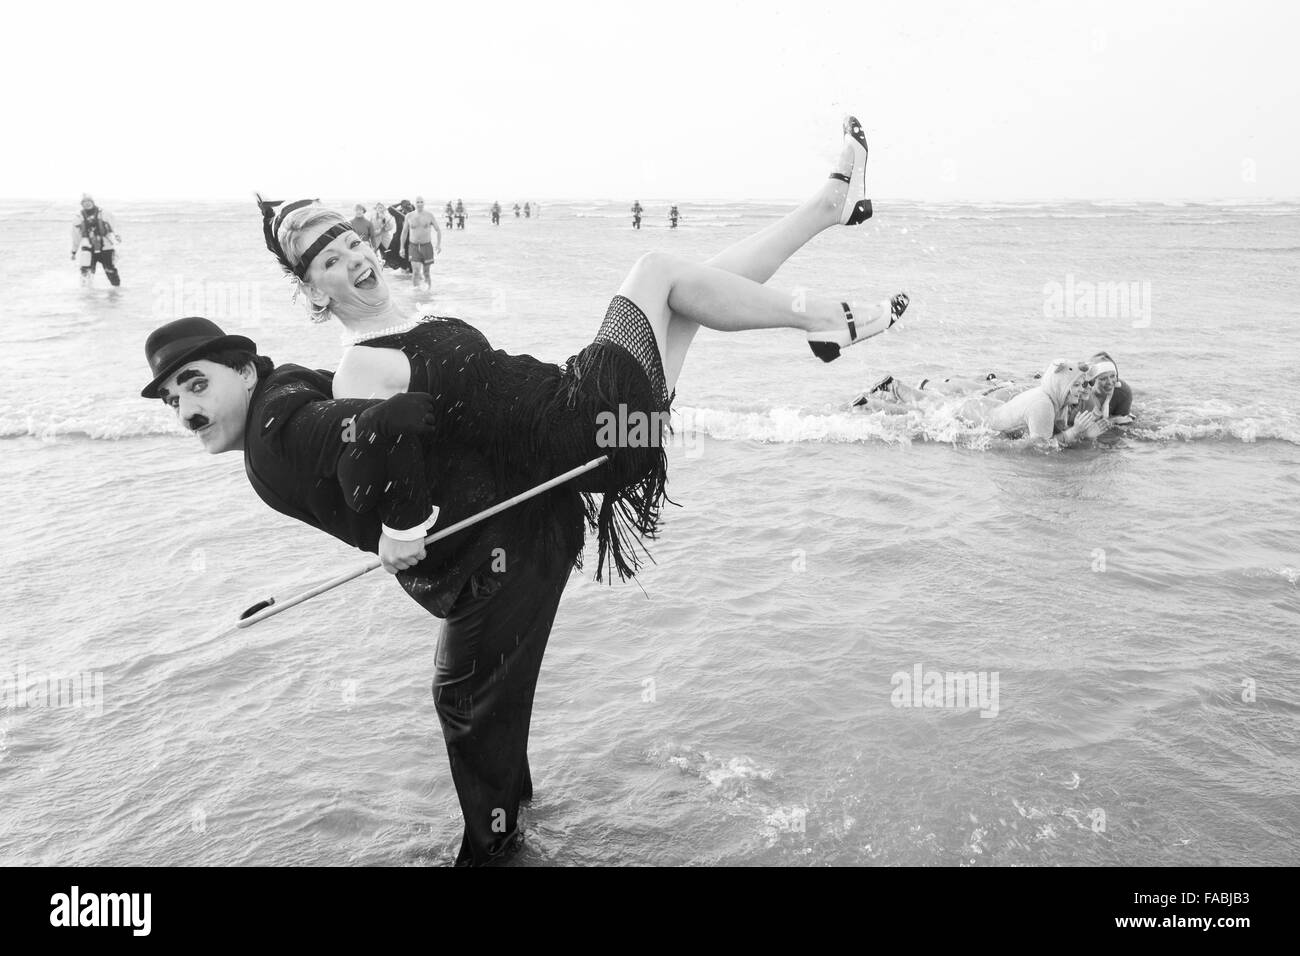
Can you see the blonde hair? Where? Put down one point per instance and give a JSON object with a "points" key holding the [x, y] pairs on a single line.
{"points": [[1058, 378], [301, 226]]}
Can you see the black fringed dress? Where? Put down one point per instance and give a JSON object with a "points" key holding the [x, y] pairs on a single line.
{"points": [[536, 420]]}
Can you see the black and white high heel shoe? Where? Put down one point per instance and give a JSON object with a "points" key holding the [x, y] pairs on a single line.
{"points": [[857, 207], [882, 387], [827, 345]]}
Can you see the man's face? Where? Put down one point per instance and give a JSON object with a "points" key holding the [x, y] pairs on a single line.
{"points": [[87, 204], [211, 401], [419, 205]]}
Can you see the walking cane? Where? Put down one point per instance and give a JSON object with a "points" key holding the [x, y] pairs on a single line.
{"points": [[270, 607]]}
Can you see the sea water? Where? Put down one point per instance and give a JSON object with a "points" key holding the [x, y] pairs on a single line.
{"points": [[869, 638]]}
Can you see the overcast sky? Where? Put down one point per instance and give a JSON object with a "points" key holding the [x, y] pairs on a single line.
{"points": [[693, 100]]}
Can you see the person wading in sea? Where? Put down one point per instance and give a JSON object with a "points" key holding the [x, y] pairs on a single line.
{"points": [[417, 241], [93, 238]]}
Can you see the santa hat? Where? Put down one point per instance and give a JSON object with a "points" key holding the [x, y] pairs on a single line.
{"points": [[1101, 363]]}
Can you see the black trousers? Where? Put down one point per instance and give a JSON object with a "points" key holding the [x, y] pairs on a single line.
{"points": [[105, 257], [489, 655]]}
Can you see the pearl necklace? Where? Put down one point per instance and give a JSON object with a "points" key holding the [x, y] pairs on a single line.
{"points": [[380, 333]]}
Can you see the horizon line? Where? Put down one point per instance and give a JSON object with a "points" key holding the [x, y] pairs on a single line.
{"points": [[714, 199]]}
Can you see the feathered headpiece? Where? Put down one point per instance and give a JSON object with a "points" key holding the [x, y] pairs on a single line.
{"points": [[271, 221]]}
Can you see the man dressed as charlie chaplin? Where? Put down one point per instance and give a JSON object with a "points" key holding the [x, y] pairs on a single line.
{"points": [[364, 472]]}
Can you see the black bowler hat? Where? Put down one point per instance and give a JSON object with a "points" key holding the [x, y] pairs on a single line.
{"points": [[174, 344]]}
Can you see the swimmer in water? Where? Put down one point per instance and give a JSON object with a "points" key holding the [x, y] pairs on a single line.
{"points": [[890, 388], [1107, 395], [1033, 414]]}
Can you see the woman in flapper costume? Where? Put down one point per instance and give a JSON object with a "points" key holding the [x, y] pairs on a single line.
{"points": [[534, 418]]}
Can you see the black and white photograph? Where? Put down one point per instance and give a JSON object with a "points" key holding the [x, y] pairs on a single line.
{"points": [[692, 435]]}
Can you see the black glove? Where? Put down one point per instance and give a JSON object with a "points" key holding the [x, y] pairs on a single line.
{"points": [[407, 413]]}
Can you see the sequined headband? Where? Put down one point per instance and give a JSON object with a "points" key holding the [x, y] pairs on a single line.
{"points": [[271, 221]]}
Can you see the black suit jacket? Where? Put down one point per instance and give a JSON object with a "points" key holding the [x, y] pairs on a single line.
{"points": [[325, 463]]}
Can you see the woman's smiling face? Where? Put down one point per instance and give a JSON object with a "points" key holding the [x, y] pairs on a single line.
{"points": [[346, 275], [1104, 383], [1075, 395]]}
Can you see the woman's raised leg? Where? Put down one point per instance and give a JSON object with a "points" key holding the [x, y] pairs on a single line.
{"points": [[759, 256], [663, 286]]}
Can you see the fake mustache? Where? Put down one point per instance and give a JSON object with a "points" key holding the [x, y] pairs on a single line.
{"points": [[195, 422]]}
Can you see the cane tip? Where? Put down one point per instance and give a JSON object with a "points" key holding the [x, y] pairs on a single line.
{"points": [[259, 606]]}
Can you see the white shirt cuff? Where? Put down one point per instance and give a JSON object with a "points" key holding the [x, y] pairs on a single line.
{"points": [[412, 534]]}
